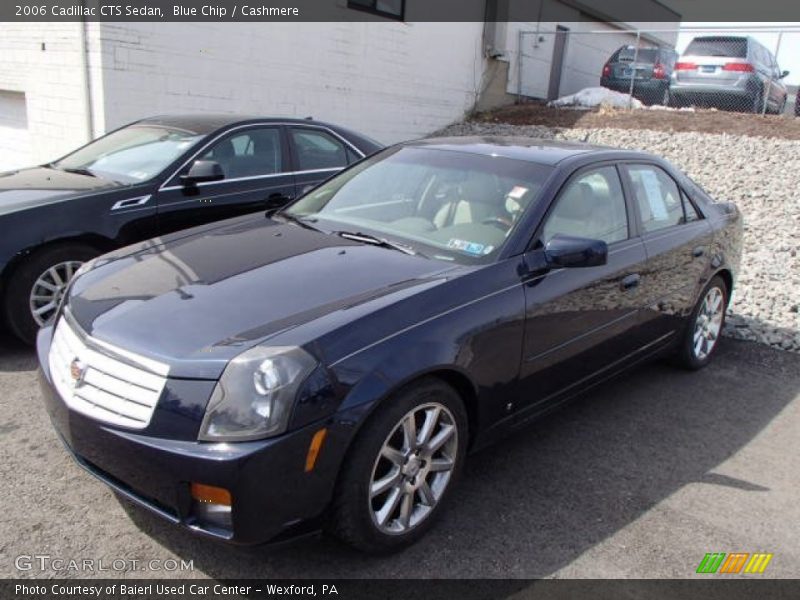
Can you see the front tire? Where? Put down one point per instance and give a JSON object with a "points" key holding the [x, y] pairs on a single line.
{"points": [[704, 326], [37, 285], [401, 469]]}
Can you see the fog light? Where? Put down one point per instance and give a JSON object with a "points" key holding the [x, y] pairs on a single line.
{"points": [[212, 507]]}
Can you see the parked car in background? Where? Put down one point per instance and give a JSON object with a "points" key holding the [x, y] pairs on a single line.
{"points": [[333, 364], [729, 72], [650, 68], [146, 179]]}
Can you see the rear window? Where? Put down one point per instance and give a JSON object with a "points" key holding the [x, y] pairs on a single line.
{"points": [[718, 46], [647, 55]]}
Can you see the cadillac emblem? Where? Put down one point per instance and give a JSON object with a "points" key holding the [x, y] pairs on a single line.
{"points": [[76, 371]]}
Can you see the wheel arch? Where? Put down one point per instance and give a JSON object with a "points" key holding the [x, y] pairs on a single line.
{"points": [[727, 277], [452, 375], [98, 242]]}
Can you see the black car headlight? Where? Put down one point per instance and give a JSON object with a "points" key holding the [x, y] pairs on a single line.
{"points": [[255, 395]]}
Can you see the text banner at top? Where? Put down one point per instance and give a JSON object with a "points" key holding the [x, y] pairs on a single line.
{"points": [[623, 11]]}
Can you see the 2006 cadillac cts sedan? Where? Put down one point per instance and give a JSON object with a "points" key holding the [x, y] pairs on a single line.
{"points": [[333, 362]]}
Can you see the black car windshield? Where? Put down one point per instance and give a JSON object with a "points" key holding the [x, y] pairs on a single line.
{"points": [[132, 154], [445, 204]]}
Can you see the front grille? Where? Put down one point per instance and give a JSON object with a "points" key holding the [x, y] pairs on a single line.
{"points": [[94, 382]]}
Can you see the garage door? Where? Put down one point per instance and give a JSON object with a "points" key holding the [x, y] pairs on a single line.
{"points": [[15, 141]]}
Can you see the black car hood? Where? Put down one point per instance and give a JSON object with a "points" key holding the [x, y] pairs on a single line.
{"points": [[29, 188], [196, 301]]}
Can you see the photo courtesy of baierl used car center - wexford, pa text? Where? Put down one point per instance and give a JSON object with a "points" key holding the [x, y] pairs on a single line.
{"points": [[364, 299]]}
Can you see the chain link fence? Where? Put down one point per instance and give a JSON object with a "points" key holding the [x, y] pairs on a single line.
{"points": [[738, 69]]}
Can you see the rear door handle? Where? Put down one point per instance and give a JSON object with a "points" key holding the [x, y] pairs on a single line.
{"points": [[698, 251], [630, 281]]}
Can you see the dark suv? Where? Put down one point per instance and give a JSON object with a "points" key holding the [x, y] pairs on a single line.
{"points": [[729, 72], [649, 68]]}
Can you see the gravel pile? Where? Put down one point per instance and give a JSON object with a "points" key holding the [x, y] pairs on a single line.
{"points": [[761, 175]]}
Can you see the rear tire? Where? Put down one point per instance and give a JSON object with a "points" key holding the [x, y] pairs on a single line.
{"points": [[758, 104], [38, 283], [704, 326], [390, 491]]}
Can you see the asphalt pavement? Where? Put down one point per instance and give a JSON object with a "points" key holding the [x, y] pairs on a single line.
{"points": [[641, 478]]}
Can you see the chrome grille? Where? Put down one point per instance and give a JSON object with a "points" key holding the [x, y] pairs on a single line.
{"points": [[94, 382]]}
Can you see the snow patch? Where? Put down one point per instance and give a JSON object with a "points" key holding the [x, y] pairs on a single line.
{"points": [[598, 96]]}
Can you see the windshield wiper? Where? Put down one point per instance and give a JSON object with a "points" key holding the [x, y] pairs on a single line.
{"points": [[302, 221], [78, 171], [366, 238]]}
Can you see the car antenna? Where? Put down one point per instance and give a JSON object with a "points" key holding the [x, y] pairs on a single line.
{"points": [[309, 118]]}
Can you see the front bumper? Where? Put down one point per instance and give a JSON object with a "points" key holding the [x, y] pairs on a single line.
{"points": [[272, 495]]}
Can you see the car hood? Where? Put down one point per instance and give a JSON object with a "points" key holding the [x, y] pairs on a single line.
{"points": [[29, 188], [196, 301]]}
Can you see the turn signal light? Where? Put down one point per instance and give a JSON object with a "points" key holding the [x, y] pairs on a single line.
{"points": [[210, 494], [314, 448]]}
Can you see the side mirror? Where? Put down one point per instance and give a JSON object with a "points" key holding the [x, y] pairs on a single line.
{"points": [[202, 171], [566, 251], [784, 74]]}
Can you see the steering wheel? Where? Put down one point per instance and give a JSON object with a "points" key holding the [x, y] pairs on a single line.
{"points": [[502, 223]]}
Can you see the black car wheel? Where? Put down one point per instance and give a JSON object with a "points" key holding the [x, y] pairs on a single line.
{"points": [[401, 468], [757, 103], [665, 101], [704, 326], [38, 284]]}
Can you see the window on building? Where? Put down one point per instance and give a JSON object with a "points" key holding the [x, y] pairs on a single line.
{"points": [[393, 9]]}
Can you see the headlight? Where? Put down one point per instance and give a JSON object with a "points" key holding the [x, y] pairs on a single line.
{"points": [[255, 396]]}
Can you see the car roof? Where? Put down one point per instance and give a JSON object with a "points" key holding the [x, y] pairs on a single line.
{"points": [[535, 150], [208, 123]]}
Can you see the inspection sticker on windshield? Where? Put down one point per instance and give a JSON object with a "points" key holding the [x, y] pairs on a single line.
{"points": [[473, 248], [517, 192]]}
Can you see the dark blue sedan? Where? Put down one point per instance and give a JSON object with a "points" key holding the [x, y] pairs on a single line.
{"points": [[332, 363]]}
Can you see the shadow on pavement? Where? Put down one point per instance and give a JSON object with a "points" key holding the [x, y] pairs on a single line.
{"points": [[534, 503], [14, 355]]}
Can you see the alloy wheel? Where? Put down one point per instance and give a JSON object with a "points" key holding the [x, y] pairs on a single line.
{"points": [[413, 469], [49, 288], [708, 324]]}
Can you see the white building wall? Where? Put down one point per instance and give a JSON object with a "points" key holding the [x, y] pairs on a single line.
{"points": [[42, 87], [390, 80]]}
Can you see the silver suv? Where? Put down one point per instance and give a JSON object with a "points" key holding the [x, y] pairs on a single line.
{"points": [[730, 72]]}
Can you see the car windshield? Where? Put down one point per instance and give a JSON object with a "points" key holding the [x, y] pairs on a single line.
{"points": [[443, 204], [130, 155]]}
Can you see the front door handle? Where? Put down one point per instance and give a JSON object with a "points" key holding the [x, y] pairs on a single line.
{"points": [[698, 251], [630, 281]]}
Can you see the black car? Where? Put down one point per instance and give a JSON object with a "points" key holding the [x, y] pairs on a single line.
{"points": [[151, 177], [333, 364], [650, 69]]}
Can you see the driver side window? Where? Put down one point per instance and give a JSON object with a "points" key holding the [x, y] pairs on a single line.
{"points": [[250, 153], [592, 206]]}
